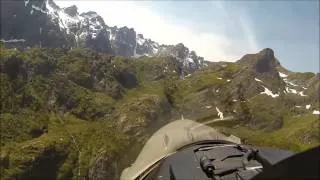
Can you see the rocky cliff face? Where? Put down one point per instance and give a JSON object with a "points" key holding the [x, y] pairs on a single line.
{"points": [[258, 68], [150, 48], [43, 23], [26, 24]]}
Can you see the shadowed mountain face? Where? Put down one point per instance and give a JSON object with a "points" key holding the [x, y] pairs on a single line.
{"points": [[22, 22], [43, 23], [266, 61], [262, 62]]}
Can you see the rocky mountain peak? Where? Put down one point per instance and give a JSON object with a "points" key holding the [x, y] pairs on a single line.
{"points": [[124, 42], [43, 23], [71, 11], [266, 61], [261, 62], [267, 53], [89, 14], [261, 66]]}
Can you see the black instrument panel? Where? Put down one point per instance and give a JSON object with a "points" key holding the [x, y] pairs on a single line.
{"points": [[216, 161]]}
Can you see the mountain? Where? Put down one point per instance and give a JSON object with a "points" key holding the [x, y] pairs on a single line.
{"points": [[80, 113], [79, 98], [42, 23]]}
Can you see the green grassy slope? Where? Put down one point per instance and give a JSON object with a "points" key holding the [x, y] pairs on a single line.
{"points": [[78, 113]]}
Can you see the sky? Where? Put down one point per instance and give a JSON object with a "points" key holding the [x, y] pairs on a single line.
{"points": [[222, 30]]}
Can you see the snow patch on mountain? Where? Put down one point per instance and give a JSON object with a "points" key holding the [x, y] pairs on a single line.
{"points": [[292, 85], [154, 50], [26, 2], [112, 34], [285, 79], [13, 40], [269, 93], [38, 9], [316, 112], [220, 114], [188, 59], [293, 91], [301, 94], [146, 47], [308, 106], [288, 82], [282, 75], [258, 80], [51, 10], [66, 21], [140, 41], [289, 90]]}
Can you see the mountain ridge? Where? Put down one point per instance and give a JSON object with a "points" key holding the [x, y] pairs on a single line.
{"points": [[86, 30]]}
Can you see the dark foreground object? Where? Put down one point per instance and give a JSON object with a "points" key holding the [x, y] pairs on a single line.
{"points": [[305, 165], [224, 160]]}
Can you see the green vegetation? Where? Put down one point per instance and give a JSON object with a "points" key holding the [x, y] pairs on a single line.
{"points": [[38, 86], [298, 133], [71, 114], [301, 77]]}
